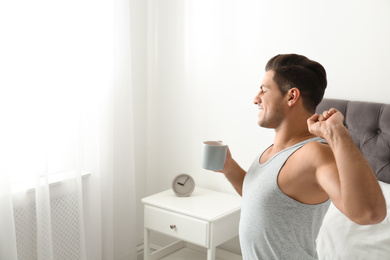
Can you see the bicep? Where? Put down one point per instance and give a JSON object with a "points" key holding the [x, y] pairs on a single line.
{"points": [[328, 177], [353, 190]]}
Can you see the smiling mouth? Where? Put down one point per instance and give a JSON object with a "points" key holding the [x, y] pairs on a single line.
{"points": [[260, 111]]}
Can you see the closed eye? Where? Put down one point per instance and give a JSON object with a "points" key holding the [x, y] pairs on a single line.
{"points": [[262, 89]]}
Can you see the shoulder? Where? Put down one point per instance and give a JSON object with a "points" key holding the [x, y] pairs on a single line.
{"points": [[317, 154], [312, 156], [316, 148]]}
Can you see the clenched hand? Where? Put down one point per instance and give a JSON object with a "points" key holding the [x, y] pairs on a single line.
{"points": [[323, 125]]}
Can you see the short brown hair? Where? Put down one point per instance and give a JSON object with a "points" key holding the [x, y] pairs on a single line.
{"points": [[293, 70]]}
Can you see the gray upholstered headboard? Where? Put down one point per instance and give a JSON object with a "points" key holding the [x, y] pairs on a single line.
{"points": [[369, 125]]}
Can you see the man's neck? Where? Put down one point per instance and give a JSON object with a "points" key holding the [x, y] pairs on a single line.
{"points": [[290, 134]]}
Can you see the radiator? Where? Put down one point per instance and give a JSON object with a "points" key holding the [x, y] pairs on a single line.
{"points": [[64, 227]]}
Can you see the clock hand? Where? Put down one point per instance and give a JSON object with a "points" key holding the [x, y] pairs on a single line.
{"points": [[182, 184]]}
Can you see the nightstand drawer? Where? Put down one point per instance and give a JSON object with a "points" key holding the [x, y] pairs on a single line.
{"points": [[177, 225]]}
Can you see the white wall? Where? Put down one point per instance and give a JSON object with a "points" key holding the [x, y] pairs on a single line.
{"points": [[205, 61]]}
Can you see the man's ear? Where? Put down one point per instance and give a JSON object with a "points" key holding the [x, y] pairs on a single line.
{"points": [[293, 96]]}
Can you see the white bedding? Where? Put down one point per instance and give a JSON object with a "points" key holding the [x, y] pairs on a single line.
{"points": [[340, 238]]}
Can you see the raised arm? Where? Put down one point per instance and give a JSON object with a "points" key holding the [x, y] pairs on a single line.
{"points": [[234, 173], [350, 181]]}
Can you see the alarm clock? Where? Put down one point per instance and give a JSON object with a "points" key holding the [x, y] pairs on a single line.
{"points": [[183, 185]]}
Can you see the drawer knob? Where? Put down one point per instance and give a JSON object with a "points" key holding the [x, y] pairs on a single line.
{"points": [[172, 226]]}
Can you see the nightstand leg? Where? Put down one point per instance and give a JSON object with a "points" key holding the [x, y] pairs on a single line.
{"points": [[146, 244], [211, 253]]}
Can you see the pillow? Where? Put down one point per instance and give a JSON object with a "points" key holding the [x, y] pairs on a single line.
{"points": [[340, 238]]}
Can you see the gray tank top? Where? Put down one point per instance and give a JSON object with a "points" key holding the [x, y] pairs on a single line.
{"points": [[273, 225]]}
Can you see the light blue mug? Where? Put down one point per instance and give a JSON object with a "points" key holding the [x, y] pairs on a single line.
{"points": [[214, 155]]}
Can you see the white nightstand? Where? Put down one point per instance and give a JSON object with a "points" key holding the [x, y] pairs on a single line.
{"points": [[205, 219]]}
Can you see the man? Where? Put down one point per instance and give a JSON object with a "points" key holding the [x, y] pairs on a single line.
{"points": [[286, 191]]}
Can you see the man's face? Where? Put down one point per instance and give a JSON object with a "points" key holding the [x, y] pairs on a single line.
{"points": [[269, 100]]}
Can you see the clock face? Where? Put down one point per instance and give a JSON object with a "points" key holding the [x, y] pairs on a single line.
{"points": [[183, 185]]}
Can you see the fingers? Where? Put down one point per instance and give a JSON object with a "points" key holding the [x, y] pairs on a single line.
{"points": [[313, 119], [322, 117], [333, 111], [327, 114]]}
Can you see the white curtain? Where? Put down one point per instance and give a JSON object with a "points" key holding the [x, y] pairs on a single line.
{"points": [[67, 186]]}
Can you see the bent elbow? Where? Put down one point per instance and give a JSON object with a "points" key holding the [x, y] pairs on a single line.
{"points": [[371, 217], [379, 216]]}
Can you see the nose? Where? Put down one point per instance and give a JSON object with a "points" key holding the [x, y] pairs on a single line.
{"points": [[257, 99]]}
